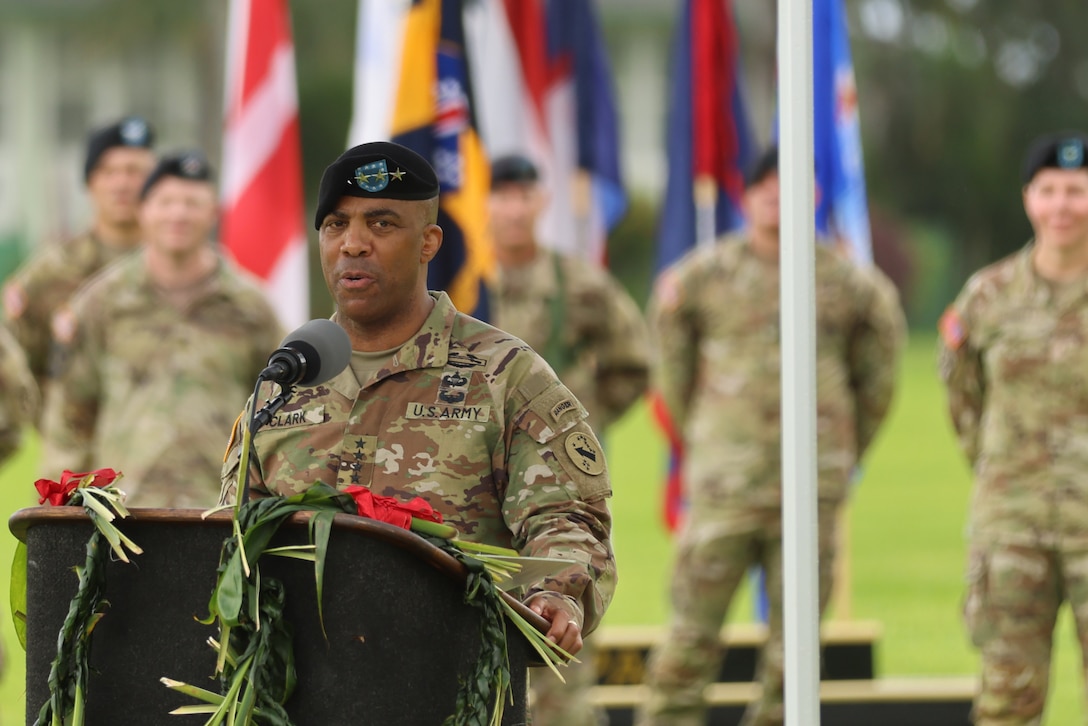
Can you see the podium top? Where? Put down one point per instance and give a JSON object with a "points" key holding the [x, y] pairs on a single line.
{"points": [[22, 520]]}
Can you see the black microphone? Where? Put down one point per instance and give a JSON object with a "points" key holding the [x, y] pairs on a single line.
{"points": [[313, 354]]}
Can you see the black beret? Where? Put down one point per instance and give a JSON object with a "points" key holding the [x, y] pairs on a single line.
{"points": [[764, 165], [379, 170], [129, 131], [189, 165], [513, 168], [1063, 150]]}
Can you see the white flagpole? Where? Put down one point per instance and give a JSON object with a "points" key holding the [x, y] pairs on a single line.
{"points": [[705, 192], [798, 322]]}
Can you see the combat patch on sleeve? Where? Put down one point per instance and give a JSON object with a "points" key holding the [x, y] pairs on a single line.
{"points": [[234, 432], [953, 331], [585, 453]]}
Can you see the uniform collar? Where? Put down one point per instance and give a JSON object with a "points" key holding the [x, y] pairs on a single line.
{"points": [[534, 280], [429, 347]]}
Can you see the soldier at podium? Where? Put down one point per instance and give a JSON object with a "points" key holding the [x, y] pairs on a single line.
{"points": [[437, 404]]}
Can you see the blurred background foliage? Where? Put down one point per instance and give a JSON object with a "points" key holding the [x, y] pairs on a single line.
{"points": [[950, 92]]}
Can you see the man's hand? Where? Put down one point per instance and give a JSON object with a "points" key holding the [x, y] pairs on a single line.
{"points": [[565, 630]]}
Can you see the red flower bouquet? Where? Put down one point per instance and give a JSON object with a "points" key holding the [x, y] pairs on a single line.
{"points": [[393, 511]]}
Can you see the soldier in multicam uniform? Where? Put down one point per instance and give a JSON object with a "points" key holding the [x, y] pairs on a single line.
{"points": [[19, 398], [1014, 357], [437, 404], [591, 333], [119, 158], [158, 351], [18, 404], [715, 317]]}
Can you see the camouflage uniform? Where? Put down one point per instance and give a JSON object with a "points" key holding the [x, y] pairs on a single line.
{"points": [[1014, 357], [592, 334], [716, 319], [584, 324], [474, 422], [149, 388], [19, 400], [42, 285]]}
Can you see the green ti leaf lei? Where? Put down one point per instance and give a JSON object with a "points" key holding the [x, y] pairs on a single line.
{"points": [[69, 673], [256, 658]]}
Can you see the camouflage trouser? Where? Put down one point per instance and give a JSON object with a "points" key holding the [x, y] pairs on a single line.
{"points": [[715, 551], [1013, 597], [554, 703]]}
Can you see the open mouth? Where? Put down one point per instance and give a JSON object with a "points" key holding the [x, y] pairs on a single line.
{"points": [[355, 280]]}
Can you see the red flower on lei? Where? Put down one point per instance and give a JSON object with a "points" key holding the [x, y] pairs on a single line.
{"points": [[390, 510], [58, 493]]}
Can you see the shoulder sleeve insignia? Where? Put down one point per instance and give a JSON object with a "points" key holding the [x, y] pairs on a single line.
{"points": [[14, 301], [64, 326], [667, 290], [953, 332], [585, 452], [235, 432]]}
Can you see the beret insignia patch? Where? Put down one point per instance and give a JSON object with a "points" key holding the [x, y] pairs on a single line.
{"points": [[134, 132], [1071, 154], [372, 177]]}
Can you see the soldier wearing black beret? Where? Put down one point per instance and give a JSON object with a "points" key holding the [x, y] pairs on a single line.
{"points": [[1014, 360], [154, 352], [437, 404], [118, 159], [1055, 151], [378, 170], [580, 318], [189, 165], [131, 132]]}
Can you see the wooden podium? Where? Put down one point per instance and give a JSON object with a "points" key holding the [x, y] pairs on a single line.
{"points": [[399, 633]]}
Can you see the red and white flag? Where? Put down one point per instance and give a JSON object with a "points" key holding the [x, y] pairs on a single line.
{"points": [[262, 224]]}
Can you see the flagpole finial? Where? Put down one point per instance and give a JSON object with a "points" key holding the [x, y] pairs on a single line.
{"points": [[705, 190]]}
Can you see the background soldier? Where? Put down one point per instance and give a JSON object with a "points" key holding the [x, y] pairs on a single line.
{"points": [[715, 316], [591, 332], [1014, 357], [158, 351], [437, 404], [19, 398], [119, 158]]}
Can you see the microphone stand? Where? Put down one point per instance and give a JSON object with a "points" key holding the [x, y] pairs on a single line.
{"points": [[271, 408], [250, 425]]}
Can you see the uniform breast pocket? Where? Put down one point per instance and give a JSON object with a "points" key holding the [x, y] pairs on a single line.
{"points": [[439, 442], [1019, 348]]}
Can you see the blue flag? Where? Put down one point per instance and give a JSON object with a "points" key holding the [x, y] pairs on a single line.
{"points": [[709, 141], [842, 212]]}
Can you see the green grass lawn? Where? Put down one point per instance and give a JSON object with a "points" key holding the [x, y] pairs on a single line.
{"points": [[905, 532], [907, 549]]}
